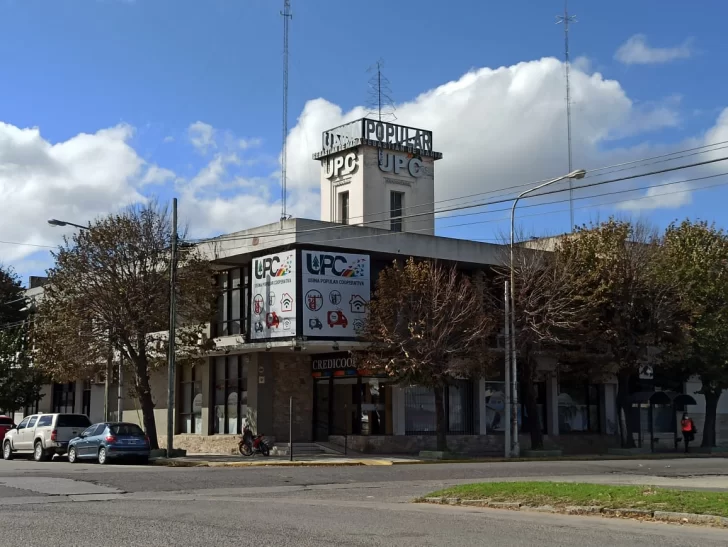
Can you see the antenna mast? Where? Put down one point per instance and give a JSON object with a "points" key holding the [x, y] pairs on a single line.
{"points": [[566, 19], [380, 103], [287, 16]]}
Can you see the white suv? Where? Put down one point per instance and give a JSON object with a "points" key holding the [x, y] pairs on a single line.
{"points": [[44, 435]]}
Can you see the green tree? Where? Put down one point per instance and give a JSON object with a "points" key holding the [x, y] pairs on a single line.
{"points": [[428, 325], [108, 293], [20, 382], [635, 315], [694, 256]]}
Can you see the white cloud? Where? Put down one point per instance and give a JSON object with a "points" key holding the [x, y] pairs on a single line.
{"points": [[636, 51], [74, 180], [156, 175], [202, 136], [662, 197], [501, 127], [168, 139]]}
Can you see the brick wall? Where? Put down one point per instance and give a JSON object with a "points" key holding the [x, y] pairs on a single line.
{"points": [[292, 378]]}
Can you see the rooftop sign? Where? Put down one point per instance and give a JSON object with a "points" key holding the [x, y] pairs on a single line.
{"points": [[376, 133]]}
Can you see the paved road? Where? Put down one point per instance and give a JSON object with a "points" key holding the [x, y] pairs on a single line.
{"points": [[132, 505]]}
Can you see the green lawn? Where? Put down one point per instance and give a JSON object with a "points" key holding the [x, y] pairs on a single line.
{"points": [[561, 494]]}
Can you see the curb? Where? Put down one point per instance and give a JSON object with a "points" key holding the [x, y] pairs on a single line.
{"points": [[642, 514], [205, 463]]}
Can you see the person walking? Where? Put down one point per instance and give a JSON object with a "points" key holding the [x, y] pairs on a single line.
{"points": [[688, 430]]}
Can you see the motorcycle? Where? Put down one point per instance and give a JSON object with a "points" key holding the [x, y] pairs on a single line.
{"points": [[250, 444]]}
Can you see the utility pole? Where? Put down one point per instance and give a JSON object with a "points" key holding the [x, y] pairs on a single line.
{"points": [[172, 328], [287, 16], [120, 392], [107, 382], [566, 19], [507, 390]]}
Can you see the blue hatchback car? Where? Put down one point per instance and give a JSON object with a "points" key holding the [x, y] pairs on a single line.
{"points": [[110, 441]]}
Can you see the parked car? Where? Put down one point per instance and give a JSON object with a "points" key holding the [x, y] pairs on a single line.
{"points": [[44, 435], [6, 424], [106, 441]]}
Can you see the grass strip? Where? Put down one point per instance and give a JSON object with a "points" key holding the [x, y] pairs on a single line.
{"points": [[564, 494]]}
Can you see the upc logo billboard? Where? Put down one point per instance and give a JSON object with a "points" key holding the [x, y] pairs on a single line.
{"points": [[328, 264], [270, 265]]}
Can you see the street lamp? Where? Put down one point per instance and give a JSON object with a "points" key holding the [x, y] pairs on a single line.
{"points": [[56, 222], [107, 383], [511, 385]]}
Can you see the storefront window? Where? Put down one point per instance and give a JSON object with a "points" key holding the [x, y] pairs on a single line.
{"points": [[419, 411], [191, 411], [579, 409], [231, 302], [495, 407], [230, 378]]}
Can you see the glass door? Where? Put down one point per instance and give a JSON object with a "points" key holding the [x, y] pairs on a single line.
{"points": [[322, 408]]}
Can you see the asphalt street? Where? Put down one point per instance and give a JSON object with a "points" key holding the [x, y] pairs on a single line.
{"points": [[83, 504]]}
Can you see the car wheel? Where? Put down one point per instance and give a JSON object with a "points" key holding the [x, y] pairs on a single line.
{"points": [[7, 451], [72, 457], [39, 454], [103, 457]]}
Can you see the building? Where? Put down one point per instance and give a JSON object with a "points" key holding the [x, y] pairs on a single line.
{"points": [[294, 295]]}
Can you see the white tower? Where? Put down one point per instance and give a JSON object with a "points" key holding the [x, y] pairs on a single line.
{"points": [[378, 174]]}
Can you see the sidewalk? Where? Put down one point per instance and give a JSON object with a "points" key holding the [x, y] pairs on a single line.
{"points": [[318, 460]]}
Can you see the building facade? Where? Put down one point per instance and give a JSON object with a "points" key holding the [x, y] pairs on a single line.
{"points": [[293, 299]]}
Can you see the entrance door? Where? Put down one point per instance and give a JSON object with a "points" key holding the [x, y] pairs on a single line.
{"points": [[322, 406]]}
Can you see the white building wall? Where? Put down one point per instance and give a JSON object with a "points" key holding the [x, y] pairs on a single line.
{"points": [[697, 412]]}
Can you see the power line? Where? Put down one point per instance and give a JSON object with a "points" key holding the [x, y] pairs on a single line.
{"points": [[233, 237], [504, 191], [27, 244], [388, 233]]}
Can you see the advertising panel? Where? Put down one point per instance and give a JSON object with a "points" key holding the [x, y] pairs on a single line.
{"points": [[273, 296], [336, 292]]}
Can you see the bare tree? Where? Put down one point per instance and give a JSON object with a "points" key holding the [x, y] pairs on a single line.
{"points": [[428, 325], [108, 294], [548, 313]]}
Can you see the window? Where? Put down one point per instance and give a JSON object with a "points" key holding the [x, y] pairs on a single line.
{"points": [[45, 421], [22, 424], [86, 398], [89, 431], [6, 421], [419, 409], [127, 430], [230, 381], [579, 409], [344, 207], [191, 394], [396, 206], [72, 420], [32, 421], [99, 430], [64, 397], [495, 407], [231, 303]]}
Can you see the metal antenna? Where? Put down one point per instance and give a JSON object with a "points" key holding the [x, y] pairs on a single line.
{"points": [[380, 103], [566, 19], [287, 16]]}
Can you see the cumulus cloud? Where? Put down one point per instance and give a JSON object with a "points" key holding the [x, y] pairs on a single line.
{"points": [[496, 128], [74, 180], [501, 127], [636, 51]]}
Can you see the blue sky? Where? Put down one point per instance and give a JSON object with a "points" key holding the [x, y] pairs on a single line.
{"points": [[151, 69]]}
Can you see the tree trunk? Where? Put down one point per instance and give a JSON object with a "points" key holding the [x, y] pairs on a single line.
{"points": [[144, 393], [624, 410], [531, 402], [534, 426], [711, 408], [440, 425]]}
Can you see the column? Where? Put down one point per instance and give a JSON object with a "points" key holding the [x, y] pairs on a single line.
{"points": [[482, 416], [552, 405]]}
